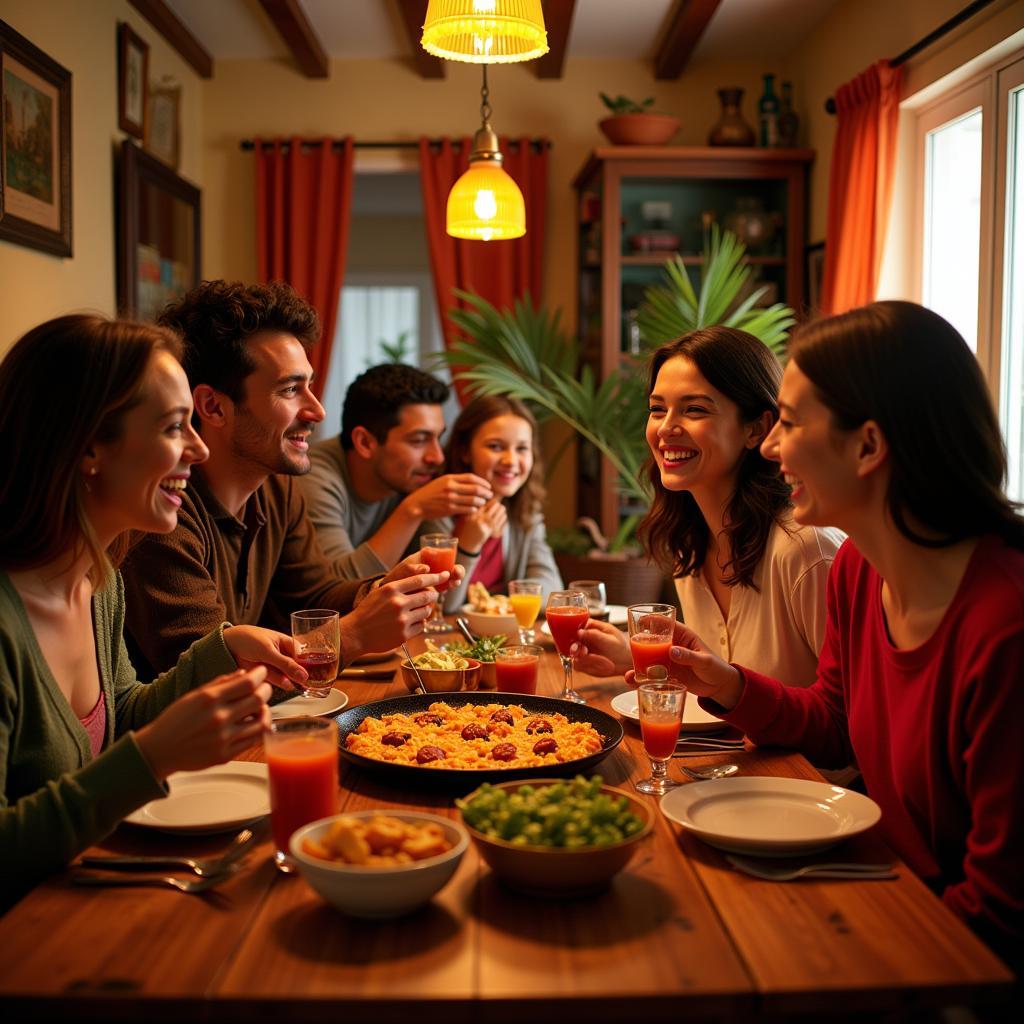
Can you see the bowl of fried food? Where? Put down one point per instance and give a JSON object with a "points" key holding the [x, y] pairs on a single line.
{"points": [[489, 614], [373, 864], [556, 838], [440, 672]]}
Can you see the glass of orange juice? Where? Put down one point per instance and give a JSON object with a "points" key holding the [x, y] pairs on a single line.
{"points": [[661, 713], [525, 597], [302, 763]]}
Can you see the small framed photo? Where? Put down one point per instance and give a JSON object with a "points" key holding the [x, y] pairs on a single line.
{"points": [[35, 147], [163, 129], [132, 81], [815, 272]]}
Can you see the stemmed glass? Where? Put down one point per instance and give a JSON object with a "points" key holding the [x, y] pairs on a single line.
{"points": [[651, 629], [567, 614], [661, 713], [317, 648], [438, 551], [596, 596], [525, 597]]}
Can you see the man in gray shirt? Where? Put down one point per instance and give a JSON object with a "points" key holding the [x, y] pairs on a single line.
{"points": [[374, 490]]}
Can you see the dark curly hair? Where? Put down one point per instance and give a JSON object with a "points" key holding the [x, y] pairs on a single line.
{"points": [[375, 398], [528, 501], [674, 531], [216, 318], [910, 371]]}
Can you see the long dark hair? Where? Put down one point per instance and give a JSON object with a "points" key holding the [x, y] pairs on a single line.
{"points": [[524, 505], [910, 371], [64, 386], [674, 530]]}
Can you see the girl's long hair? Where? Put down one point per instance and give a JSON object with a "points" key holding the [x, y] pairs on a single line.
{"points": [[528, 501], [674, 531]]}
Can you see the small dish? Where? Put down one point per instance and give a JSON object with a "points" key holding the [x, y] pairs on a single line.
{"points": [[298, 706], [441, 680], [695, 718], [491, 624]]}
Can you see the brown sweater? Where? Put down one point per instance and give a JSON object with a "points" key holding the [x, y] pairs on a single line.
{"points": [[250, 569]]}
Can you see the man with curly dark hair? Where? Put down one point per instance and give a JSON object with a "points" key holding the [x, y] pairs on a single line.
{"points": [[244, 549], [375, 488]]}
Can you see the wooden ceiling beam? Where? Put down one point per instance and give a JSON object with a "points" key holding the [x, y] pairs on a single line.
{"points": [[166, 22], [685, 27], [557, 20], [294, 28], [413, 13]]}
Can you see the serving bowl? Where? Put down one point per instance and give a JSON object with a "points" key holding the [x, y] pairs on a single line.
{"points": [[556, 872], [441, 680], [384, 891], [491, 623]]}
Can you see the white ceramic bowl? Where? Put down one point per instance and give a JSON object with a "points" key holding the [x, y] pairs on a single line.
{"points": [[379, 892], [486, 624]]}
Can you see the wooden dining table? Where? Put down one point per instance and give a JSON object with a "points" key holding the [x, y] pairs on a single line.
{"points": [[679, 934]]}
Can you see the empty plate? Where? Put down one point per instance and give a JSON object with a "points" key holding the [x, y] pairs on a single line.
{"points": [[216, 799], [768, 816], [695, 718], [315, 706]]}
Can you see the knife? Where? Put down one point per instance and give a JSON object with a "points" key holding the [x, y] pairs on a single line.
{"points": [[382, 672]]}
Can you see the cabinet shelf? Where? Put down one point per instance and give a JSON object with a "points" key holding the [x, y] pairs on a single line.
{"points": [[657, 259]]}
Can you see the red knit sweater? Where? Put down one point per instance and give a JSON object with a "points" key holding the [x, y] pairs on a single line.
{"points": [[937, 731]]}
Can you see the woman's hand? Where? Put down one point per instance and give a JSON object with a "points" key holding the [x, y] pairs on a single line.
{"points": [[478, 527], [602, 650], [209, 725], [701, 672], [251, 646]]}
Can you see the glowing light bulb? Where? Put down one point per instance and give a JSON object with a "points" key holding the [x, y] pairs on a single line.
{"points": [[485, 206]]}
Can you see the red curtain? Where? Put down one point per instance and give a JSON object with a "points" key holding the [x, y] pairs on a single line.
{"points": [[500, 272], [303, 210], [860, 186]]}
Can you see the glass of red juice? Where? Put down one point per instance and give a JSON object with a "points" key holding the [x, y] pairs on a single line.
{"points": [[515, 668], [317, 647], [651, 628], [438, 550], [302, 763], [567, 613], [661, 712]]}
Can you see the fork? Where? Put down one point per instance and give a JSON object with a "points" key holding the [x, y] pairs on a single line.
{"points": [[188, 885], [210, 867], [711, 744], [773, 873]]}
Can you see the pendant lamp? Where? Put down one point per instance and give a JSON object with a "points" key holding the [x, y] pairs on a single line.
{"points": [[485, 203], [485, 31]]}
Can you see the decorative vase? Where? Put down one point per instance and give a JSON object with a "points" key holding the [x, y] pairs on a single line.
{"points": [[731, 129], [752, 224], [789, 123], [768, 114]]}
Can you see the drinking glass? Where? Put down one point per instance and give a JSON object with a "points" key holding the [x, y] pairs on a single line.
{"points": [[597, 598], [661, 712], [567, 614], [302, 765], [525, 597], [317, 646], [438, 550], [651, 628], [515, 668]]}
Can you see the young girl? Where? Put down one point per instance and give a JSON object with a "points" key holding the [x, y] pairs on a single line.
{"points": [[888, 432], [96, 440], [496, 438], [748, 578]]}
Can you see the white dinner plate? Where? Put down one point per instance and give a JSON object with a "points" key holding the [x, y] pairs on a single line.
{"points": [[695, 718], [315, 706], [770, 817], [616, 616], [216, 799]]}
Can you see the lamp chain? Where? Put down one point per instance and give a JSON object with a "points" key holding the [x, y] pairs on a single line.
{"points": [[485, 104]]}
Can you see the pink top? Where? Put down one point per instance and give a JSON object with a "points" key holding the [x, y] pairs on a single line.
{"points": [[490, 569], [95, 725]]}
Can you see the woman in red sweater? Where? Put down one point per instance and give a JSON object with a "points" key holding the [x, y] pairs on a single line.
{"points": [[887, 431]]}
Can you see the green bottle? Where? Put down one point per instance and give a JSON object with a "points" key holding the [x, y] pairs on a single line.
{"points": [[768, 113]]}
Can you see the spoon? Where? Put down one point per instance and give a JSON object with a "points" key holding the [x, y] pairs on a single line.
{"points": [[464, 629], [718, 771], [416, 671]]}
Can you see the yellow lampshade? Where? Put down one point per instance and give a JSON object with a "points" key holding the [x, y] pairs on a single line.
{"points": [[485, 204], [485, 31]]}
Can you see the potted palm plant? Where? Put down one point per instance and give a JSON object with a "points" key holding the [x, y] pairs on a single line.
{"points": [[523, 352]]}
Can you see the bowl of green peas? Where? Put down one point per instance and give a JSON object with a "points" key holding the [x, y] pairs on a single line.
{"points": [[555, 837]]}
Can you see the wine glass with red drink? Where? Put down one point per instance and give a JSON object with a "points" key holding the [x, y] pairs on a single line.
{"points": [[438, 551], [661, 713], [567, 614], [317, 648]]}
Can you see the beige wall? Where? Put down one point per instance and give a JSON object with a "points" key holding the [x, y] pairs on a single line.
{"points": [[82, 36], [856, 34]]}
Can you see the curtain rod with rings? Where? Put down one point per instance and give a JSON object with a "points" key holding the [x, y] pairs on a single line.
{"points": [[936, 34], [536, 144]]}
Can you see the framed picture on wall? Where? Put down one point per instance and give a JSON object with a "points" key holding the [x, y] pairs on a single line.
{"points": [[158, 236], [35, 149], [132, 81], [163, 129]]}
